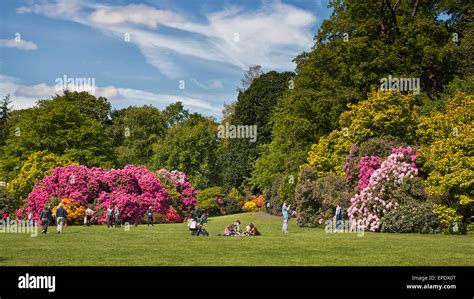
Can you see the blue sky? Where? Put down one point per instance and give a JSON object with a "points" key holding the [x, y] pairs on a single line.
{"points": [[141, 52]]}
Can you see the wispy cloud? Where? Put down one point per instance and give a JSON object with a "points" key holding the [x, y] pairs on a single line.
{"points": [[270, 36], [18, 44], [138, 14], [208, 85], [25, 96]]}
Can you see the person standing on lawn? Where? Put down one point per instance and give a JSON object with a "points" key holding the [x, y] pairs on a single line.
{"points": [[285, 212], [61, 215], [30, 218], [203, 218], [110, 216], [89, 214], [45, 217], [150, 216], [338, 216], [118, 218]]}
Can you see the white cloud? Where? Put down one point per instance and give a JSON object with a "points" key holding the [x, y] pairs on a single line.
{"points": [[144, 97], [210, 84], [19, 44], [54, 9], [25, 96], [137, 14], [271, 36]]}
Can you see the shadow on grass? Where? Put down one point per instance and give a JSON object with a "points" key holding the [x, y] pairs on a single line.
{"points": [[3, 259]]}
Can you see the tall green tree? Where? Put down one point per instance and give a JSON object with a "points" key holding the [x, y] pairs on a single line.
{"points": [[252, 108], [71, 125], [37, 166], [190, 147], [5, 110], [134, 130], [252, 73], [361, 43], [175, 114]]}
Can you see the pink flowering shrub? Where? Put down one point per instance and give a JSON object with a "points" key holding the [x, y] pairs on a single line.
{"points": [[78, 183], [172, 216], [373, 201], [364, 158], [188, 193], [19, 214], [132, 189], [367, 165]]}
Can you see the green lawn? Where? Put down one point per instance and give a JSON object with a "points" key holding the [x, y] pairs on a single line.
{"points": [[172, 244]]}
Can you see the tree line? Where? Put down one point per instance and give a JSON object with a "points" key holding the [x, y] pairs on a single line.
{"points": [[361, 43]]}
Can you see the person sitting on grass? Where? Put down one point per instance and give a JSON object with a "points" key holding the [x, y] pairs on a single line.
{"points": [[252, 230], [236, 227], [229, 231]]}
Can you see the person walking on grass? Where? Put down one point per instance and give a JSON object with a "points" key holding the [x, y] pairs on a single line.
{"points": [[285, 212], [61, 215], [150, 216], [110, 216], [45, 217], [118, 218], [30, 218], [88, 218], [338, 217]]}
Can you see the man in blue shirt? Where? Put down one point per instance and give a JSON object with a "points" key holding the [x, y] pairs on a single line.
{"points": [[61, 215], [286, 216]]}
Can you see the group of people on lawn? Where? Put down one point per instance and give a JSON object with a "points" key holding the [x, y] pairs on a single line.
{"points": [[234, 230], [60, 218], [46, 217], [196, 220]]}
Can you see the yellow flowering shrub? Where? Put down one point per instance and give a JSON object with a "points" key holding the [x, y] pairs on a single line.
{"points": [[383, 113], [449, 219], [447, 154], [75, 213], [38, 165], [249, 206]]}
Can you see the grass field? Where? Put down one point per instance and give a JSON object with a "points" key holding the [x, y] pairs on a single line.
{"points": [[172, 245]]}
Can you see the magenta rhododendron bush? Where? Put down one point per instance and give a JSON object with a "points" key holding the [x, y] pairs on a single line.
{"points": [[79, 184], [183, 186], [132, 189], [373, 201], [367, 166]]}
